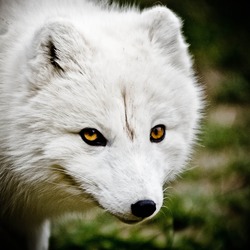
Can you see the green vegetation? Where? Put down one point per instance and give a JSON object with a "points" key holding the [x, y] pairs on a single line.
{"points": [[209, 207]]}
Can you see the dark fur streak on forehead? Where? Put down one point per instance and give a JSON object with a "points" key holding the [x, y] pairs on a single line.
{"points": [[128, 129]]}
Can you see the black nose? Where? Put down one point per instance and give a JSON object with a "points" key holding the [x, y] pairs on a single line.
{"points": [[143, 208]]}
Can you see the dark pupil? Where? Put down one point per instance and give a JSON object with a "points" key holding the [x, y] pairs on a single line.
{"points": [[156, 131], [91, 132]]}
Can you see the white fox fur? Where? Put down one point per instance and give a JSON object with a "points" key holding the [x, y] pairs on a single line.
{"points": [[68, 65]]}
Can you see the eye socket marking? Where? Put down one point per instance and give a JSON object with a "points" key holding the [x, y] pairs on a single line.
{"points": [[157, 133], [93, 137]]}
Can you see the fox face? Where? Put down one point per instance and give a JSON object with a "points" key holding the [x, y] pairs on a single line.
{"points": [[122, 151], [105, 119]]}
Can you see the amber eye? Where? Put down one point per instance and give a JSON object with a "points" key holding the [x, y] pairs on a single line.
{"points": [[157, 133], [93, 137]]}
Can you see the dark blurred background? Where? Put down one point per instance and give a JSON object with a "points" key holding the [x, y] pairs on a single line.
{"points": [[209, 208]]}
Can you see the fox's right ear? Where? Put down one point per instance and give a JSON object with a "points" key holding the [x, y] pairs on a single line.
{"points": [[57, 48]]}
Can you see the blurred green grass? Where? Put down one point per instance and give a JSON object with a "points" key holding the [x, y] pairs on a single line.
{"points": [[208, 208]]}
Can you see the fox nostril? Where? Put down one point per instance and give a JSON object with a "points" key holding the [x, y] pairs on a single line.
{"points": [[143, 208]]}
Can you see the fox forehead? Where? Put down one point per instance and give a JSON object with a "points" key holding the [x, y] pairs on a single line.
{"points": [[114, 103]]}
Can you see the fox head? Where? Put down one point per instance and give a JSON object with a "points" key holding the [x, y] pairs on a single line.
{"points": [[107, 112]]}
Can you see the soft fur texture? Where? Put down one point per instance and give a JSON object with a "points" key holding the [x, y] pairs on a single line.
{"points": [[70, 65]]}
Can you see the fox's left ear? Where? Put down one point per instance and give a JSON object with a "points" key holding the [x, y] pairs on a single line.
{"points": [[164, 29]]}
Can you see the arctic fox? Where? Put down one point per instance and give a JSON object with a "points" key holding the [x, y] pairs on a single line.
{"points": [[99, 105]]}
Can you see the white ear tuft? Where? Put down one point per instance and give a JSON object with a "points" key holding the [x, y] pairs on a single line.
{"points": [[57, 46], [164, 29]]}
